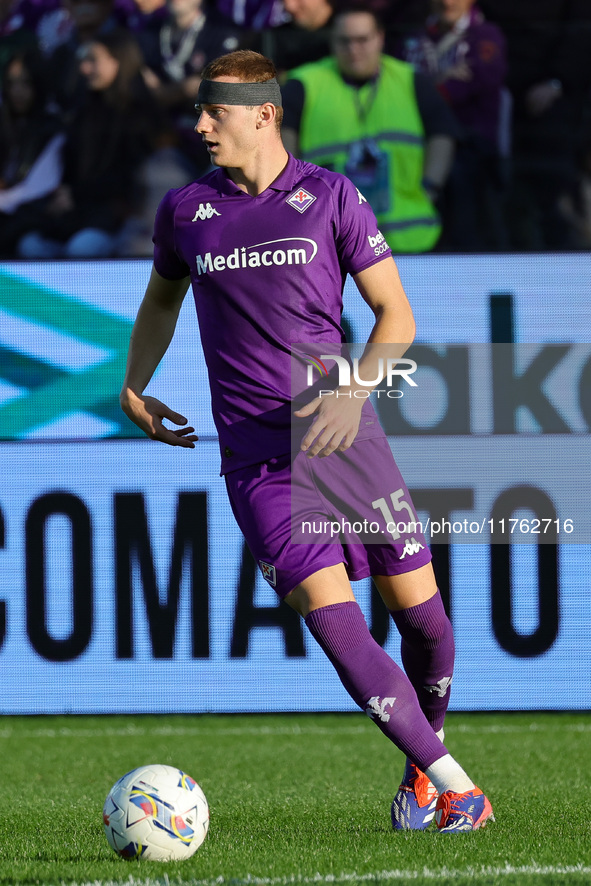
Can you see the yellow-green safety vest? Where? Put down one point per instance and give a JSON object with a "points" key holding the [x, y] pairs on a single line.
{"points": [[336, 115]]}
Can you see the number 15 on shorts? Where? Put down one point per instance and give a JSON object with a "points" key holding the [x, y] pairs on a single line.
{"points": [[393, 525]]}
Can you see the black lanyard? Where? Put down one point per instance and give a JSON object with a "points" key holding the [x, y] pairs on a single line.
{"points": [[363, 109]]}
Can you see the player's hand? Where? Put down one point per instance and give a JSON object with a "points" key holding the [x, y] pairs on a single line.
{"points": [[148, 414], [335, 425]]}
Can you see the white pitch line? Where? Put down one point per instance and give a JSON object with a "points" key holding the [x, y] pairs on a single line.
{"points": [[435, 875], [173, 731], [533, 727]]}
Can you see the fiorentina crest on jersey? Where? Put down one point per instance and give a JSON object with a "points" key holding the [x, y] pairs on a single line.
{"points": [[269, 572], [300, 199]]}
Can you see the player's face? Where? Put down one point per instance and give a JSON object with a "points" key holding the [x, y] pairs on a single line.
{"points": [[450, 11], [228, 131], [357, 45]]}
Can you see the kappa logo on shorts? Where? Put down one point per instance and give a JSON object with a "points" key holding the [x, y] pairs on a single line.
{"points": [[204, 212], [269, 572], [301, 199], [411, 546]]}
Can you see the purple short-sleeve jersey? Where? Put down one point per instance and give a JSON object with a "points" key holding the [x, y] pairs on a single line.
{"points": [[267, 273]]}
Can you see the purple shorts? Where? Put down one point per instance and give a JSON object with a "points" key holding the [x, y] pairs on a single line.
{"points": [[301, 514]]}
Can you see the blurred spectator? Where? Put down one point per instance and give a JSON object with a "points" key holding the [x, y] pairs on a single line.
{"points": [[30, 148], [109, 139], [18, 14], [190, 37], [305, 38], [19, 24], [309, 14], [400, 18], [72, 22], [378, 121], [466, 57], [549, 52], [146, 15], [88, 19], [253, 14], [54, 29]]}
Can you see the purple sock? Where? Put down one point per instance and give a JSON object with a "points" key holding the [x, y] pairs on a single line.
{"points": [[374, 681], [427, 648]]}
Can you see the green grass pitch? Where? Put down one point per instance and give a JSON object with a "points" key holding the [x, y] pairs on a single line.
{"points": [[296, 799]]}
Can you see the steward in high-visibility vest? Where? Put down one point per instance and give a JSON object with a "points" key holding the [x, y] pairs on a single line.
{"points": [[374, 134]]}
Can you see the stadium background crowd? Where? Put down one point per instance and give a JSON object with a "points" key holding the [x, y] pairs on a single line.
{"points": [[97, 111]]}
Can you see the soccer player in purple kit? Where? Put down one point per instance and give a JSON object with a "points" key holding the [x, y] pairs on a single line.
{"points": [[266, 242]]}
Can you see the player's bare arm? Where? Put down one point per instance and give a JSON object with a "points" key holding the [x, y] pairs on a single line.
{"points": [[151, 335], [337, 417]]}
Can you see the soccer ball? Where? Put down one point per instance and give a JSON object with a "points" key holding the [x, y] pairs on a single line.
{"points": [[157, 813]]}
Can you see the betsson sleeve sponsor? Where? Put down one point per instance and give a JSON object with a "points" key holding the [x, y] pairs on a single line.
{"points": [[360, 243]]}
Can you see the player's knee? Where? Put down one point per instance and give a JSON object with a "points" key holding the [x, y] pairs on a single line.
{"points": [[425, 625]]}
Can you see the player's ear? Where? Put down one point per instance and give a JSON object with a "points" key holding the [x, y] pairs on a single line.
{"points": [[266, 115]]}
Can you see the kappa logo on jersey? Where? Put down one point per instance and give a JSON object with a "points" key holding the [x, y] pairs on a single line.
{"points": [[269, 572], [376, 708], [441, 687], [204, 212], [411, 546], [362, 199], [301, 199], [292, 251]]}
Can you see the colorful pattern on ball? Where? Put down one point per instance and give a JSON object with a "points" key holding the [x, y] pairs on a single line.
{"points": [[156, 812], [163, 814]]}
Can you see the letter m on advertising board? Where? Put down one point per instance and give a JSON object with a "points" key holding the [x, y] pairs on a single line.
{"points": [[135, 560]]}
